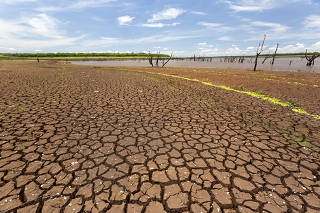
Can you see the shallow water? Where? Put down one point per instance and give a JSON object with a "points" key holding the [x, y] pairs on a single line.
{"points": [[281, 64]]}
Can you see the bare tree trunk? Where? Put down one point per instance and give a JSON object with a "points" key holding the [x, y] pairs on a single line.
{"points": [[259, 51], [150, 59], [264, 60], [274, 54], [157, 62], [255, 63]]}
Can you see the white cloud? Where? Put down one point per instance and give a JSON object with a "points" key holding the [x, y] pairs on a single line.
{"points": [[168, 14], [316, 46], [225, 38], [206, 49], [290, 35], [198, 13], [209, 24], [291, 48], [40, 25], [44, 25], [235, 51], [51, 9], [276, 27], [125, 20], [159, 25], [245, 5], [79, 4], [312, 21], [28, 45], [90, 3], [209, 50], [39, 31], [8, 49], [17, 1], [202, 43], [109, 41], [297, 48], [216, 26], [205, 45], [259, 5]]}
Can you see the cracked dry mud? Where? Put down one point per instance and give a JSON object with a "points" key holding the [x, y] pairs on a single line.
{"points": [[85, 139]]}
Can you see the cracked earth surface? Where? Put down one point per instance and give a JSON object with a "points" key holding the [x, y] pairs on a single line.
{"points": [[89, 139]]}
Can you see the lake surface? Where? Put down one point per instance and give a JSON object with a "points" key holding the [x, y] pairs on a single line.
{"points": [[281, 63]]}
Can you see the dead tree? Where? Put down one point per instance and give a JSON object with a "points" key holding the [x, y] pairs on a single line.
{"points": [[241, 59], [311, 58], [267, 56], [158, 57], [259, 51], [164, 63], [274, 54], [150, 57]]}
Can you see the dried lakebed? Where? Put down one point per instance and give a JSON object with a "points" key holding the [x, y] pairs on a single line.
{"points": [[95, 139]]}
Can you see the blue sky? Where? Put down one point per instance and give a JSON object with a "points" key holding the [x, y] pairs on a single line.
{"points": [[184, 27]]}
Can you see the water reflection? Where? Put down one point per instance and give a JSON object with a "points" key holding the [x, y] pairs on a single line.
{"points": [[280, 64]]}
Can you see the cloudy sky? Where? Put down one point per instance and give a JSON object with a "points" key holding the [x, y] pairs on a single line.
{"points": [[186, 27]]}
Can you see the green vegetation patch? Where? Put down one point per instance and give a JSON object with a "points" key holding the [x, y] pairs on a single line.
{"points": [[297, 140], [173, 88], [301, 143], [19, 108], [241, 87], [202, 101]]}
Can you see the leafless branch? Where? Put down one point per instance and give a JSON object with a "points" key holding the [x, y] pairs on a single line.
{"points": [[164, 63]]}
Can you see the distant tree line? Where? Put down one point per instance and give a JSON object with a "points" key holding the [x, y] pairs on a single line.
{"points": [[27, 55]]}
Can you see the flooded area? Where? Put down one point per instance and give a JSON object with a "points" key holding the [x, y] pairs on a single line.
{"points": [[280, 64]]}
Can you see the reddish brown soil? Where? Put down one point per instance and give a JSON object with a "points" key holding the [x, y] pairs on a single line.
{"points": [[301, 88], [90, 139]]}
